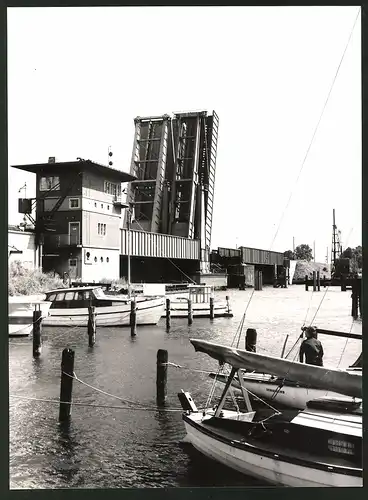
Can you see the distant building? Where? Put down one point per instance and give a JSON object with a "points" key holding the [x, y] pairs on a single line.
{"points": [[22, 247]]}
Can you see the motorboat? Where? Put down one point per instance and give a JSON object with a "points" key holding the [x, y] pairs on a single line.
{"points": [[200, 296], [320, 445], [20, 314], [69, 307]]}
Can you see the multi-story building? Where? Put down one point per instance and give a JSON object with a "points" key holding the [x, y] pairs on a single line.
{"points": [[78, 215]]}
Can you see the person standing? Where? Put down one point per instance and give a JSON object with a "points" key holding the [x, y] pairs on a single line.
{"points": [[311, 348]]}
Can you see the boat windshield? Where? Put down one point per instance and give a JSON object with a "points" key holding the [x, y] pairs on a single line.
{"points": [[98, 293]]}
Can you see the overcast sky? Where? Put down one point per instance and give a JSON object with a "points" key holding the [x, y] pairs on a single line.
{"points": [[77, 77]]}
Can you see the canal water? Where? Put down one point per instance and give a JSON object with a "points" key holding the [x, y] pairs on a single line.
{"points": [[105, 447]]}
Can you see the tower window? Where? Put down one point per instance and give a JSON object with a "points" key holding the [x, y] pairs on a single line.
{"points": [[74, 203], [50, 182]]}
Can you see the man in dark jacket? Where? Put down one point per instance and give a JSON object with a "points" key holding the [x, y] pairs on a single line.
{"points": [[311, 348]]}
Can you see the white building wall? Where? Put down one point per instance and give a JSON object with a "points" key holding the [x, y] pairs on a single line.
{"points": [[101, 264], [25, 242]]}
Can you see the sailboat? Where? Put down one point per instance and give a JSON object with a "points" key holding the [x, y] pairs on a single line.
{"points": [[318, 446], [69, 306]]}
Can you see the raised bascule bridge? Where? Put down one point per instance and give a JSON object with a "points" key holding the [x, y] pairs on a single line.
{"points": [[80, 216]]}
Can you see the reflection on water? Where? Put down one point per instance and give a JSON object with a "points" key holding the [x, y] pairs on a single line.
{"points": [[105, 447]]}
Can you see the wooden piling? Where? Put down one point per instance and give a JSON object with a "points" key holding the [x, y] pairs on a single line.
{"points": [[314, 281], [228, 303], [133, 318], [37, 330], [161, 376], [212, 311], [66, 385], [318, 281], [251, 339], [91, 326], [343, 284], [190, 312], [168, 314], [354, 299], [306, 282], [275, 275]]}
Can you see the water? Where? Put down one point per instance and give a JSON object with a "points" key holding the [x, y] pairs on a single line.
{"points": [[115, 448]]}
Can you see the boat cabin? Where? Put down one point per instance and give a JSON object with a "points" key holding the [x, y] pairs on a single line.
{"points": [[82, 297], [200, 294]]}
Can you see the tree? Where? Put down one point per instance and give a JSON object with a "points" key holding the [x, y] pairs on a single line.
{"points": [[355, 256], [303, 252], [289, 254]]}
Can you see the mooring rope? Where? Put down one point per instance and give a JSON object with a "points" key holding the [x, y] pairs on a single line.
{"points": [[93, 405]]}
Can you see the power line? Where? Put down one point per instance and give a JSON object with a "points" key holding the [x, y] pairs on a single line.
{"points": [[316, 128]]}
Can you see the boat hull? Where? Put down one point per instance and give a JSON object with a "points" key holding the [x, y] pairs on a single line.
{"points": [[272, 469], [148, 312], [20, 315]]}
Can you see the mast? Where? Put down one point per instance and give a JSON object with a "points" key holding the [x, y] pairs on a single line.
{"points": [[333, 256], [129, 220]]}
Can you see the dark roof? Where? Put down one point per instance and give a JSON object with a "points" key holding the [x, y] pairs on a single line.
{"points": [[86, 165]]}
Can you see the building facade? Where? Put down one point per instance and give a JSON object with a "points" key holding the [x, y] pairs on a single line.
{"points": [[77, 221]]}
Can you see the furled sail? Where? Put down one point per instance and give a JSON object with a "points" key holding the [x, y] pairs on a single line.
{"points": [[319, 377]]}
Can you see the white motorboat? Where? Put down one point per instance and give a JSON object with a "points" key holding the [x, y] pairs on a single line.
{"points": [[319, 446], [20, 314], [200, 297], [69, 307]]}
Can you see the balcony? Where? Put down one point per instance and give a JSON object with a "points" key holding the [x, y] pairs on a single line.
{"points": [[61, 240]]}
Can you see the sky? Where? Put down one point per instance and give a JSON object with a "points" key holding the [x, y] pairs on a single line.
{"points": [[77, 78]]}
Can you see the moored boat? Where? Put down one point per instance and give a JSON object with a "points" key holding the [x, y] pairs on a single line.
{"points": [[20, 314], [69, 307], [318, 446], [200, 297]]}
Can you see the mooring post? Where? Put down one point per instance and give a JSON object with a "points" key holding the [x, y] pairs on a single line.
{"points": [[133, 318], [228, 303], [343, 283], [314, 281], [161, 377], [168, 314], [306, 282], [212, 311], [324, 281], [91, 326], [275, 275], [354, 299], [260, 280], [251, 339], [37, 330], [66, 385], [318, 281], [190, 312]]}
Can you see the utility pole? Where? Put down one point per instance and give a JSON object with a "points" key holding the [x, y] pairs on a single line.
{"points": [[293, 244], [333, 250], [314, 251]]}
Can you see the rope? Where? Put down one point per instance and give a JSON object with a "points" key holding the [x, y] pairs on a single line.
{"points": [[346, 343], [324, 295], [54, 401], [316, 128], [185, 368]]}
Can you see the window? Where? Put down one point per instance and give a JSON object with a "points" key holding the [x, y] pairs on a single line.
{"points": [[108, 207], [72, 262], [60, 297], [112, 188], [50, 182], [101, 229], [51, 297], [74, 203], [95, 259], [101, 259], [107, 259], [69, 295], [95, 204]]}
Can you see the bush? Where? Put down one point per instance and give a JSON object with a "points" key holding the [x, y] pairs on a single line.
{"points": [[24, 281]]}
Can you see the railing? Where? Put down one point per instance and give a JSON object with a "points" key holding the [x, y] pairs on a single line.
{"points": [[61, 240]]}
